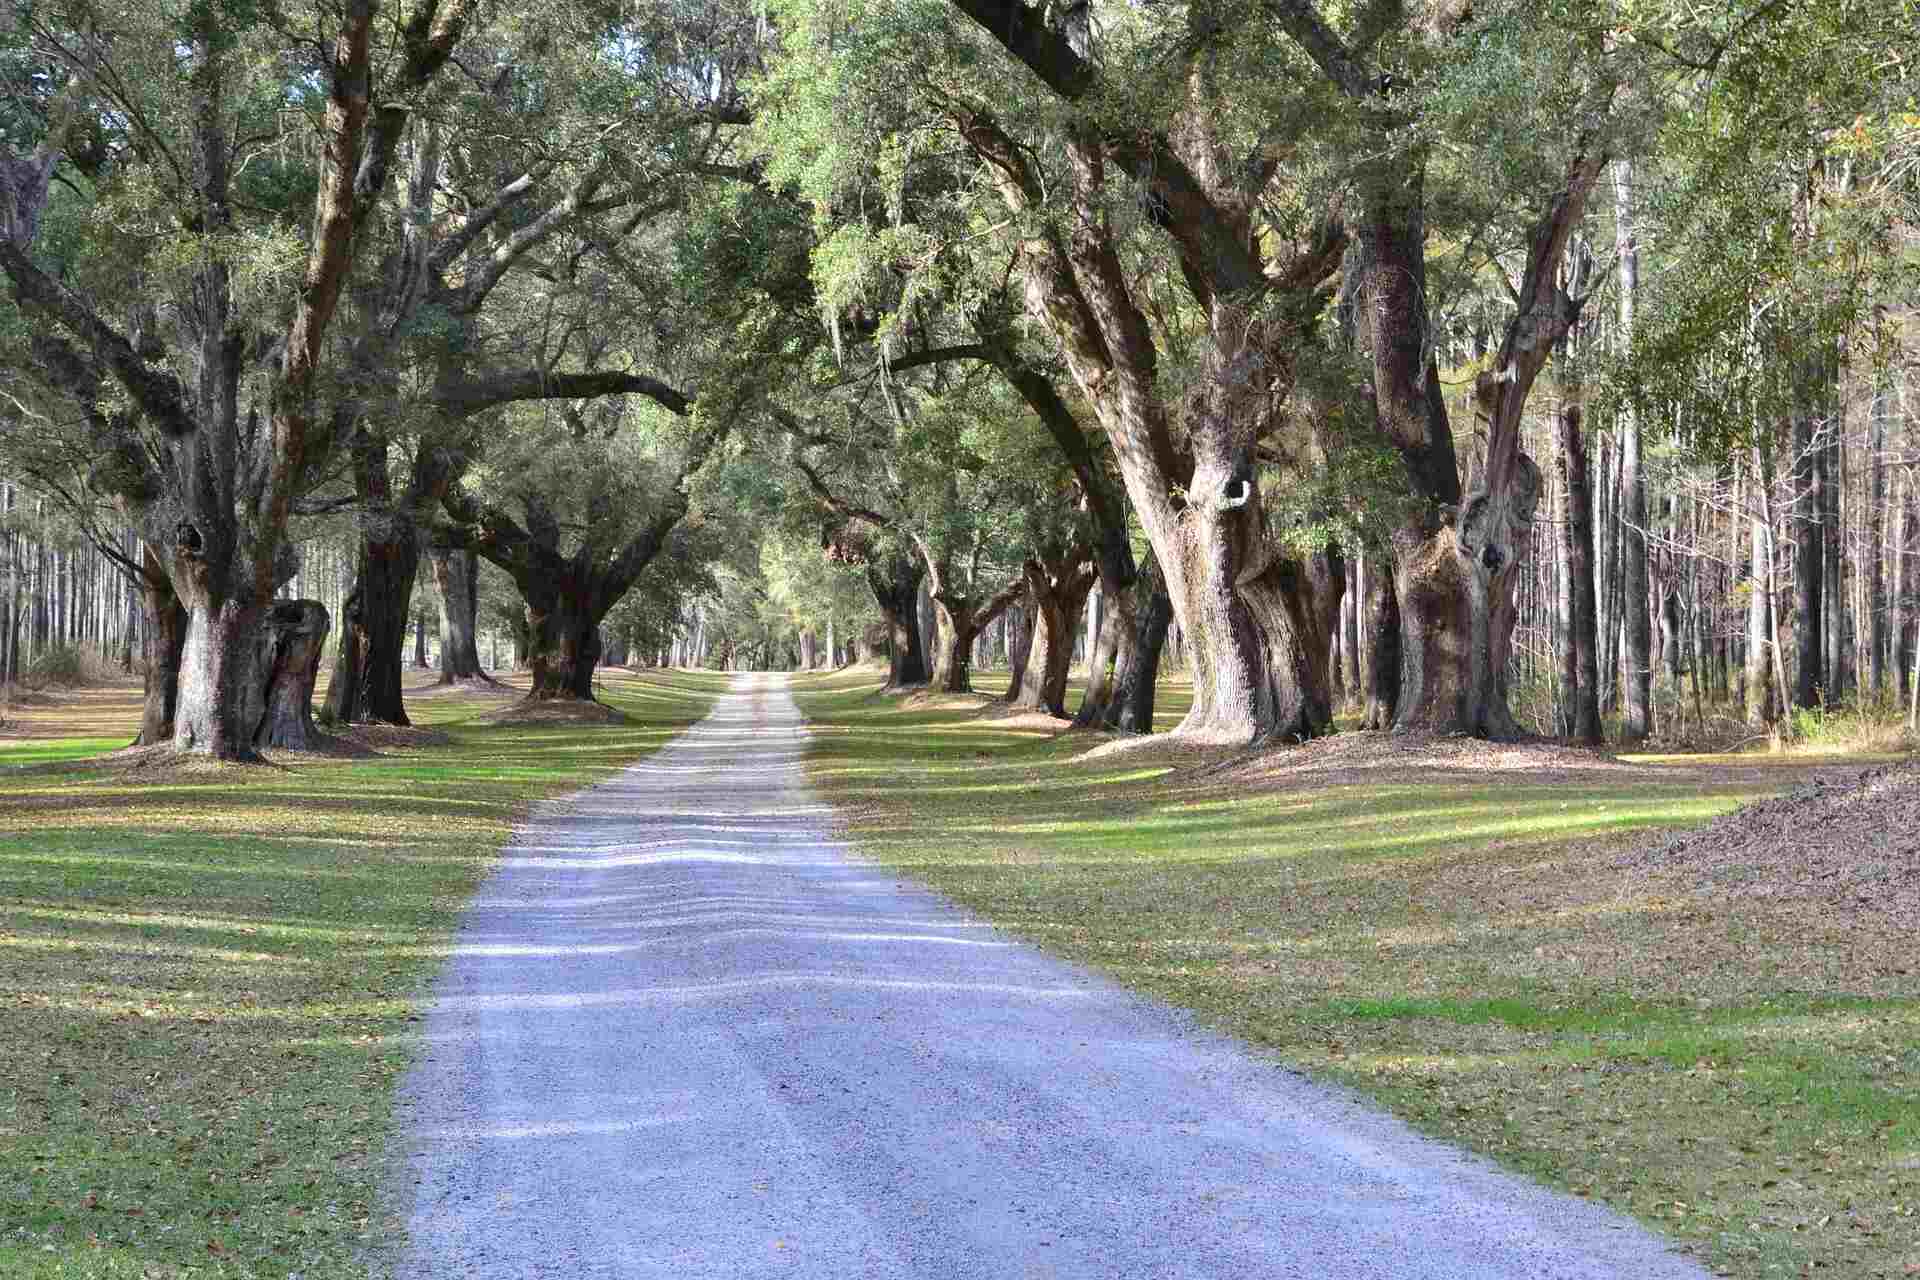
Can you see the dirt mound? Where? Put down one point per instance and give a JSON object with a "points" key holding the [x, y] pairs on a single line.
{"points": [[481, 686], [1362, 754], [1853, 845], [554, 711]]}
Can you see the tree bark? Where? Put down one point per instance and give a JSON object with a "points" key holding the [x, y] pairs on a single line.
{"points": [[1113, 653], [457, 575], [1457, 557], [563, 642], [1837, 652], [163, 639], [1136, 683], [896, 589], [1382, 622], [1875, 626], [286, 663], [371, 654], [1809, 565], [1019, 647], [1057, 590], [1761, 710], [1585, 638], [1635, 596]]}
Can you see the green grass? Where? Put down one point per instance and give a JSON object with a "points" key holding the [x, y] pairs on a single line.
{"points": [[212, 977], [56, 750], [1743, 1074]]}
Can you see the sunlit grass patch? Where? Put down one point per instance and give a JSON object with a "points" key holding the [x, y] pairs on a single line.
{"points": [[211, 978], [1471, 950]]}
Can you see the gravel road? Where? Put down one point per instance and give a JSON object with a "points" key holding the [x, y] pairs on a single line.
{"points": [[686, 1034]]}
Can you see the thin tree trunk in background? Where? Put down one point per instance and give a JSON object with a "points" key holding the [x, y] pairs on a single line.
{"points": [[1875, 625], [1761, 710], [1902, 553], [1020, 648], [1566, 666], [1585, 640], [1833, 505], [1638, 625], [1809, 555]]}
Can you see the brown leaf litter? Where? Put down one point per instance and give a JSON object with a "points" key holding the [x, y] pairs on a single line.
{"points": [[1851, 845]]}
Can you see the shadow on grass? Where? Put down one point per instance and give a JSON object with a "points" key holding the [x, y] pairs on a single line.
{"points": [[210, 983], [1470, 949]]}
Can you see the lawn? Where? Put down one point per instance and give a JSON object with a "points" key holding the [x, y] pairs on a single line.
{"points": [[1466, 949], [211, 977]]}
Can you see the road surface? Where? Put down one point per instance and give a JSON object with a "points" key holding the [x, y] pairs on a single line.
{"points": [[686, 1034]]}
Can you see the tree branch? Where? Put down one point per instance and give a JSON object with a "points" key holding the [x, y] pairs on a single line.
{"points": [[159, 395], [464, 399]]}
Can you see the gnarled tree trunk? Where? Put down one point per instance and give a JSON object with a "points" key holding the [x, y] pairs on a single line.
{"points": [[896, 589], [1380, 618], [1296, 606], [163, 639], [456, 573], [958, 617], [373, 636], [563, 642], [1057, 590], [1135, 684], [286, 662]]}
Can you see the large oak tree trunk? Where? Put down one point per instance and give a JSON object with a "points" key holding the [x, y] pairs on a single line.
{"points": [[456, 573], [563, 644], [896, 589], [163, 640], [1136, 683], [1294, 605], [216, 670], [1381, 620], [372, 653], [286, 662], [1056, 593]]}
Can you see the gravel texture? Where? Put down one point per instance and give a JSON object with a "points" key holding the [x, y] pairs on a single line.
{"points": [[686, 1034]]}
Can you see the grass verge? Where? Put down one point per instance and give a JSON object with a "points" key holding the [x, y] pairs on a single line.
{"points": [[210, 976], [1743, 1074]]}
